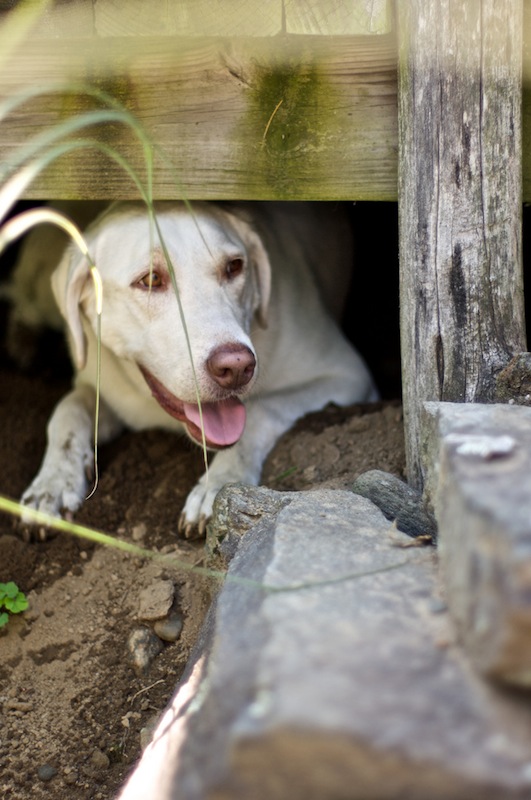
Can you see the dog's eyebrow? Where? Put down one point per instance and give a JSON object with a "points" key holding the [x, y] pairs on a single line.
{"points": [[157, 260]]}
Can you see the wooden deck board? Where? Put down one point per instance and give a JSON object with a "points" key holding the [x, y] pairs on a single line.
{"points": [[297, 117]]}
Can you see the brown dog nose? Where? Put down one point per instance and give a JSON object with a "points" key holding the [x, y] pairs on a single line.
{"points": [[231, 365]]}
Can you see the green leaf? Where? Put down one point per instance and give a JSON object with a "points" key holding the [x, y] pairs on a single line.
{"points": [[4, 619], [17, 604], [7, 590]]}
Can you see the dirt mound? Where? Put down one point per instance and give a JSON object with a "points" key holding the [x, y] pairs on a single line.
{"points": [[75, 708]]}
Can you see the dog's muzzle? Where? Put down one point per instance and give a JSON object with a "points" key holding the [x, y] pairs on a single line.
{"points": [[221, 422]]}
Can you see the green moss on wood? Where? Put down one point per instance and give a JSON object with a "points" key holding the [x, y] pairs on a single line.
{"points": [[290, 116]]}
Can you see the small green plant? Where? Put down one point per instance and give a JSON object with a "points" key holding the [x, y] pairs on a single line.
{"points": [[12, 599]]}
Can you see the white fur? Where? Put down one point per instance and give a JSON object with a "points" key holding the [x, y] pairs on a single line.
{"points": [[273, 308]]}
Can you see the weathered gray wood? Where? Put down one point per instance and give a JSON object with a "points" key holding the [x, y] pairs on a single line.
{"points": [[205, 18], [461, 294], [55, 20], [338, 17], [526, 103], [188, 18], [249, 118], [357, 161]]}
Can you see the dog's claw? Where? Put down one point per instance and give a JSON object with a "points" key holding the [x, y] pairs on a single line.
{"points": [[191, 530], [29, 532], [24, 531]]}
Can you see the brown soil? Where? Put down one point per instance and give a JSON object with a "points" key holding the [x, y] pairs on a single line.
{"points": [[72, 706]]}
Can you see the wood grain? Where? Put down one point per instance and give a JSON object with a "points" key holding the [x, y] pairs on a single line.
{"points": [[461, 294], [294, 117], [338, 17], [188, 18]]}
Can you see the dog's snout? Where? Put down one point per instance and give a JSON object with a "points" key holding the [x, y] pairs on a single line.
{"points": [[231, 365]]}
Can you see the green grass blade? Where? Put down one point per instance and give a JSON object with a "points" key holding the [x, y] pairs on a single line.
{"points": [[22, 96], [13, 189], [22, 223], [98, 537], [60, 131]]}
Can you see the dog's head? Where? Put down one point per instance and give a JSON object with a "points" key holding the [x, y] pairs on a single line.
{"points": [[180, 294]]}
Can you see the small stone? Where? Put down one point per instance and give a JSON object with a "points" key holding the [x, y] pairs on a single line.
{"points": [[169, 629], [99, 759], [46, 773], [19, 705], [138, 534], [397, 501], [144, 646], [156, 600], [70, 778]]}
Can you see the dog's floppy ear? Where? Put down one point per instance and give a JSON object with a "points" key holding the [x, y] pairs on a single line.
{"points": [[262, 274], [68, 281], [259, 259]]}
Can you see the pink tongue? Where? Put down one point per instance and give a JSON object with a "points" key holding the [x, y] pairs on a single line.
{"points": [[223, 422]]}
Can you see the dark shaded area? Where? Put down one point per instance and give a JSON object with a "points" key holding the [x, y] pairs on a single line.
{"points": [[526, 255], [372, 318]]}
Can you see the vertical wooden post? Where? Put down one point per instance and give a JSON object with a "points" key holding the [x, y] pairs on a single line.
{"points": [[461, 285]]}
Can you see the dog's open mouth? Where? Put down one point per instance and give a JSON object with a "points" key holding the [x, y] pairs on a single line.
{"points": [[223, 421]]}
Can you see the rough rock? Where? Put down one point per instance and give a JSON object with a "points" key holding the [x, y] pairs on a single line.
{"points": [[513, 383], [478, 467], [237, 508], [156, 600], [397, 501], [144, 646], [169, 629], [46, 773], [326, 670]]}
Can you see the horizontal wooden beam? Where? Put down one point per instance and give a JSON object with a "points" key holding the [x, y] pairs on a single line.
{"points": [[293, 117], [299, 117], [138, 18]]}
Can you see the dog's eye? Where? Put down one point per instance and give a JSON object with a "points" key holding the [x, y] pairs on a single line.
{"points": [[151, 280], [233, 268]]}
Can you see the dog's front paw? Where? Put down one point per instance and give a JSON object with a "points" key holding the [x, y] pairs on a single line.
{"points": [[198, 508], [59, 494]]}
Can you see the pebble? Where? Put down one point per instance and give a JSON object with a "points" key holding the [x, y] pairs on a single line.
{"points": [[70, 777], [99, 759], [169, 629], [19, 705], [397, 501], [156, 600], [138, 534], [144, 646], [46, 773]]}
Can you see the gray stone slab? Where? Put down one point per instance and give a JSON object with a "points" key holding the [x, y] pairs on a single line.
{"points": [[327, 671], [478, 467]]}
